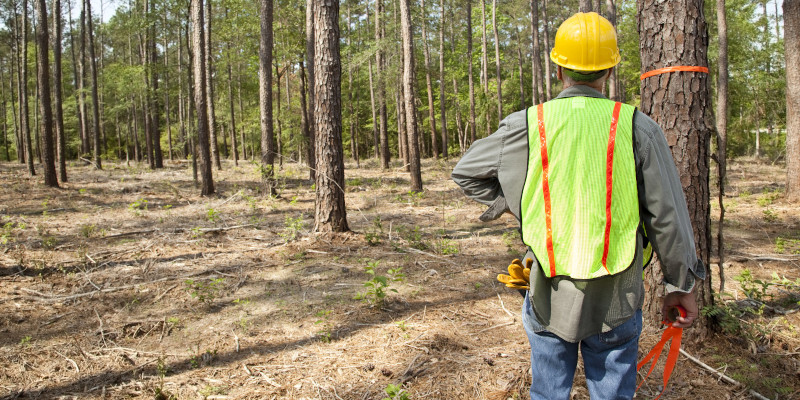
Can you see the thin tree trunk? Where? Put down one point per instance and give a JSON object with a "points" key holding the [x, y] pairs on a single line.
{"points": [[442, 98], [200, 97], [722, 133], [304, 117], [241, 106], [485, 67], [375, 136], [181, 121], [265, 99], [791, 43], [497, 62], [15, 95], [547, 75], [380, 66], [26, 131], [431, 113], [45, 104], [585, 6], [36, 110], [683, 116], [3, 115], [212, 115], [461, 133], [353, 117], [156, 107], [312, 130], [166, 92], [521, 63], [472, 126], [80, 80], [95, 98], [235, 149], [613, 84], [59, 103], [330, 213], [410, 93]]}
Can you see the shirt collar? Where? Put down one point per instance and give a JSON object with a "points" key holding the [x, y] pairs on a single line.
{"points": [[580, 90]]}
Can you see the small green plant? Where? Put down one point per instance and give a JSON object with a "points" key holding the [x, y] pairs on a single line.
{"points": [[769, 197], [88, 230], [512, 240], [6, 235], [292, 228], [395, 392], [378, 285], [204, 291], [784, 245], [755, 289], [446, 247], [212, 215], [478, 285], [769, 215], [138, 206], [373, 235], [401, 325], [293, 201], [81, 191], [25, 342], [326, 326], [414, 238], [196, 232]]}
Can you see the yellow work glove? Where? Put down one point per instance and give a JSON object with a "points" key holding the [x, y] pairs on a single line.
{"points": [[519, 276]]}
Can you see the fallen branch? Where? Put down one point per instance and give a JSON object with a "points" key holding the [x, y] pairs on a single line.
{"points": [[721, 375], [496, 326], [504, 307]]}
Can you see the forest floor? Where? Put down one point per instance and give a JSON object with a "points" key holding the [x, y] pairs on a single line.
{"points": [[125, 283]]}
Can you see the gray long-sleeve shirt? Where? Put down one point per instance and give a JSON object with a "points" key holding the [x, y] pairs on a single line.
{"points": [[493, 172]]}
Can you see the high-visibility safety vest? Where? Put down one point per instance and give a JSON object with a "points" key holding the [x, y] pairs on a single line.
{"points": [[579, 206]]}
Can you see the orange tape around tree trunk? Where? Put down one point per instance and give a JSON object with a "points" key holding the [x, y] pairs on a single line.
{"points": [[683, 68]]}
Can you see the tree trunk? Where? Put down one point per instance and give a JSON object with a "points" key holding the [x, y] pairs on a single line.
{"points": [[410, 93], [166, 92], [80, 79], [241, 107], [304, 117], [431, 112], [497, 62], [442, 98], [4, 115], [536, 60], [585, 6], [461, 133], [95, 99], [59, 103], [613, 82], [547, 75], [23, 108], [200, 97], [312, 130], [212, 116], [521, 63], [235, 149], [472, 127], [353, 115], [485, 67], [45, 105], [265, 99], [181, 121], [722, 133], [330, 214], [674, 33], [380, 66], [278, 123], [15, 95], [791, 43]]}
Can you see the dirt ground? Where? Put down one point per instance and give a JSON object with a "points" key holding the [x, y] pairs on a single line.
{"points": [[125, 283]]}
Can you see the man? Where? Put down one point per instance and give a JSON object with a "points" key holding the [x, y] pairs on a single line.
{"points": [[586, 177]]}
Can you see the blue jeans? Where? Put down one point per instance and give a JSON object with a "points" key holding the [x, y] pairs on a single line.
{"points": [[609, 360]]}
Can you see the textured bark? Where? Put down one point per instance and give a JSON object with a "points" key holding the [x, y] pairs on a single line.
{"points": [[265, 99], [485, 66], [353, 113], [330, 213], [429, 85], [304, 118], [380, 66], [409, 80], [166, 92], [521, 63], [58, 107], [23, 108], [235, 148], [497, 62], [312, 141], [278, 123], [585, 5], [791, 42], [547, 75], [3, 116], [200, 97], [15, 95], [96, 145], [442, 98], [212, 115], [722, 133], [674, 32], [472, 127], [613, 82], [536, 59], [86, 141], [45, 104]]}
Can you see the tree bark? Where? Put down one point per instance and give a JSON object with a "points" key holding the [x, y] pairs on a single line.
{"points": [[4, 115], [472, 127], [235, 149], [212, 116], [442, 98], [585, 6], [23, 108], [95, 98], [722, 133], [277, 113], [547, 75], [521, 63], [497, 62], [330, 213], [304, 117], [200, 97], [536, 59], [353, 114], [485, 67], [45, 104], [59, 103], [380, 66], [265, 99], [613, 82], [410, 94], [429, 85], [312, 131], [791, 43], [674, 33], [166, 91]]}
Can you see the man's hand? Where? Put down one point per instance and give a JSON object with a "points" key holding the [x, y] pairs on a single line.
{"points": [[685, 300]]}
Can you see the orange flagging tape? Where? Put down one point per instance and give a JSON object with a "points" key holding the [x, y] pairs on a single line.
{"points": [[672, 335], [672, 69]]}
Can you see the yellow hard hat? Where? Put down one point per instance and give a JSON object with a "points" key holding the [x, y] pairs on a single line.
{"points": [[586, 42]]}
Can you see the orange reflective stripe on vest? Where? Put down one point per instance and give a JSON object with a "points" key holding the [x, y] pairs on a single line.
{"points": [[612, 136], [548, 211]]}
